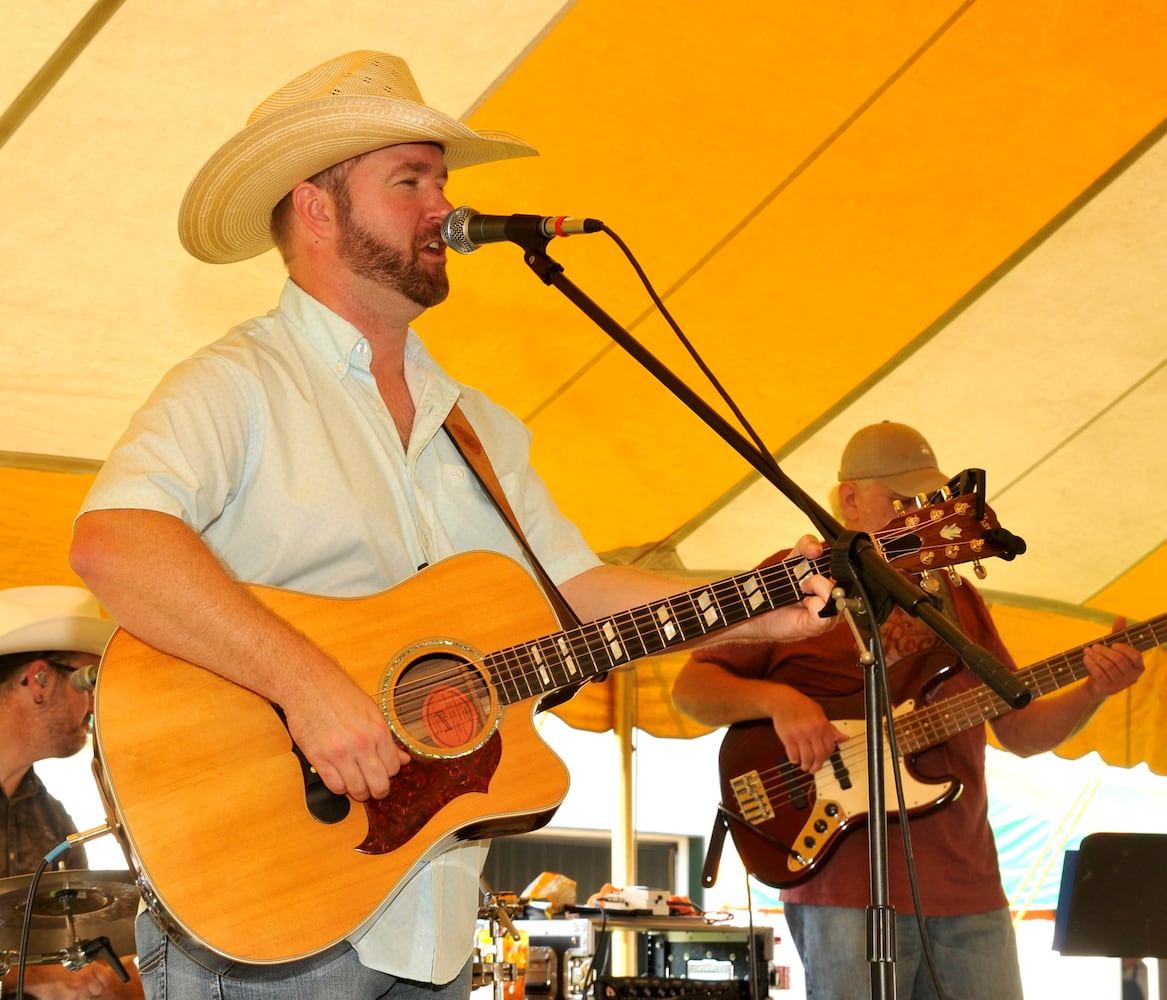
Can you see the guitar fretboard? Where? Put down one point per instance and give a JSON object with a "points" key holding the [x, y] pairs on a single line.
{"points": [[933, 724], [563, 659]]}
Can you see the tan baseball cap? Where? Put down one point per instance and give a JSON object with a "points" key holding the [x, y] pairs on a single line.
{"points": [[895, 454]]}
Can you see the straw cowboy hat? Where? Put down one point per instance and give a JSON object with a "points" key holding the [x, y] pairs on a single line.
{"points": [[47, 619], [352, 104]]}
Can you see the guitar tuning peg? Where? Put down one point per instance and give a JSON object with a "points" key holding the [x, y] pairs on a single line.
{"points": [[929, 583], [953, 576], [979, 570], [897, 505]]}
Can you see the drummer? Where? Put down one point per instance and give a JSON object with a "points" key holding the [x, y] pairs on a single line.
{"points": [[46, 635]]}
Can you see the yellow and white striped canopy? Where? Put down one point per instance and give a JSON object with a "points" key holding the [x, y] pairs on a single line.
{"points": [[946, 213]]}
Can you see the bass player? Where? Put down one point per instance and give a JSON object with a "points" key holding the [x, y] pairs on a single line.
{"points": [[966, 913]]}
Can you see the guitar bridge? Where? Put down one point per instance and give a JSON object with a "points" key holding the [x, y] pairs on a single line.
{"points": [[752, 800]]}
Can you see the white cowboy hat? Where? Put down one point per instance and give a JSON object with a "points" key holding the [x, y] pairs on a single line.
{"points": [[47, 619], [350, 105]]}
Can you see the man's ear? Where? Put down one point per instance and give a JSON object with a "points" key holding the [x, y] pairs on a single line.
{"points": [[34, 671], [315, 209], [848, 505]]}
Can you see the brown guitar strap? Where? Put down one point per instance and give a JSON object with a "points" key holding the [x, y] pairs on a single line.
{"points": [[470, 448]]}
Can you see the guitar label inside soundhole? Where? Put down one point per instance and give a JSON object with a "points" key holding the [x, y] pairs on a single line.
{"points": [[449, 716]]}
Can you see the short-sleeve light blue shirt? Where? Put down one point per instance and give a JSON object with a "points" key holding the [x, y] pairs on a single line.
{"points": [[274, 445]]}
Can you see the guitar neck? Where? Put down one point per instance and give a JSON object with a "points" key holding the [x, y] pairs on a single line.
{"points": [[547, 664], [933, 724]]}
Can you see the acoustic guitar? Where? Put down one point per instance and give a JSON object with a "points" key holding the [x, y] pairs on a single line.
{"points": [[242, 851]]}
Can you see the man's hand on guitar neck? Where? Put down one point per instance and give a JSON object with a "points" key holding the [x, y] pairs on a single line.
{"points": [[1113, 667], [1047, 722], [794, 621], [804, 620]]}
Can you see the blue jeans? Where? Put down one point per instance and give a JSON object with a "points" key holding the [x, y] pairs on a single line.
{"points": [[976, 956], [168, 973]]}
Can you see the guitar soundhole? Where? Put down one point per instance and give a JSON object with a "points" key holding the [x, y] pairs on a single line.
{"points": [[438, 704]]}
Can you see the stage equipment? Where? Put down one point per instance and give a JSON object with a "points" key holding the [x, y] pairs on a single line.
{"points": [[77, 916]]}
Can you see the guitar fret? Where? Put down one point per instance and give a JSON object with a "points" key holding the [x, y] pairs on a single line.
{"points": [[635, 643], [593, 649], [753, 593], [566, 656], [502, 670], [541, 667], [612, 644]]}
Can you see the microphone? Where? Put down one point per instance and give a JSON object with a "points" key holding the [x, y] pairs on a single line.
{"points": [[465, 230], [85, 678]]}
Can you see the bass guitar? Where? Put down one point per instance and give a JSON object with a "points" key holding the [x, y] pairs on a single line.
{"points": [[243, 852], [785, 822]]}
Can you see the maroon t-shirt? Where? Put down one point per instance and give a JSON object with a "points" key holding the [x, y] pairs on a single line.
{"points": [[955, 854]]}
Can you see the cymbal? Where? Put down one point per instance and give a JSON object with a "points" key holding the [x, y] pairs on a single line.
{"points": [[70, 907]]}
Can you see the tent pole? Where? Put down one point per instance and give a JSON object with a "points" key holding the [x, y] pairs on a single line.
{"points": [[624, 833], [54, 68]]}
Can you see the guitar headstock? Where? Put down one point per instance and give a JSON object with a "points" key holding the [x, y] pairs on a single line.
{"points": [[944, 530]]}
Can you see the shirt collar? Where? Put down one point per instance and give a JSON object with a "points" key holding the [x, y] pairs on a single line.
{"points": [[344, 348], [336, 340]]}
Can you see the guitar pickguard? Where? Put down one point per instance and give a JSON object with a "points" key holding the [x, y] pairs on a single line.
{"points": [[420, 789], [787, 822]]}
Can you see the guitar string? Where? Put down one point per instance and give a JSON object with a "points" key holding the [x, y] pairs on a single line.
{"points": [[590, 650], [595, 647], [919, 730], [411, 695], [926, 727]]}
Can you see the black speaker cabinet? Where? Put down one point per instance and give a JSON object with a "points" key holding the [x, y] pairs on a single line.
{"points": [[1112, 898], [708, 955]]}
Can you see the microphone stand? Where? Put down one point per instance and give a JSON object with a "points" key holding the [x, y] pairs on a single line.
{"points": [[855, 562]]}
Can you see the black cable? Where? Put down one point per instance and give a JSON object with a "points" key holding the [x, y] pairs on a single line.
{"points": [[26, 924], [693, 353]]}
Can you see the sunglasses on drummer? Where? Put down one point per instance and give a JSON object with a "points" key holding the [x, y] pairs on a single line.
{"points": [[68, 668]]}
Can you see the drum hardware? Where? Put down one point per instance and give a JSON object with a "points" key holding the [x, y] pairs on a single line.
{"points": [[500, 961], [78, 916]]}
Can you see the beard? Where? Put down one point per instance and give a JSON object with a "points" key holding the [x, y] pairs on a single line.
{"points": [[369, 256], [66, 734]]}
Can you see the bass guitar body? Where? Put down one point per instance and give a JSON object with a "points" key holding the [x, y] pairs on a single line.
{"points": [[784, 822]]}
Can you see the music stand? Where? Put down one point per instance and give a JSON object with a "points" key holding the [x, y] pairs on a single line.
{"points": [[1112, 897]]}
